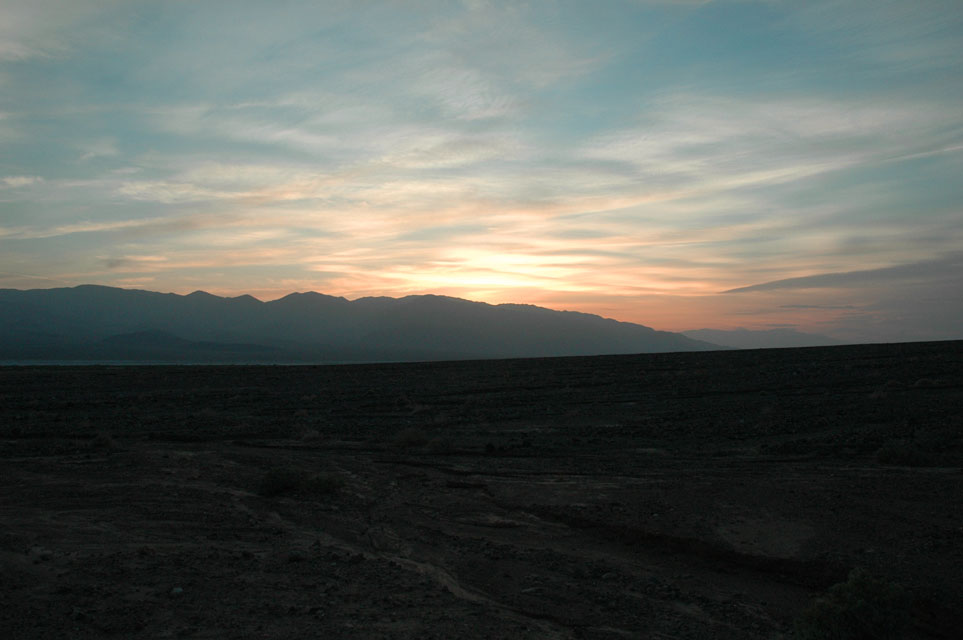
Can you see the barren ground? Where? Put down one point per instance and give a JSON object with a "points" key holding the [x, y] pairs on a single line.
{"points": [[707, 495]]}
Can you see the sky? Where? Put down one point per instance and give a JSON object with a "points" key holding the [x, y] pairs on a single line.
{"points": [[680, 164]]}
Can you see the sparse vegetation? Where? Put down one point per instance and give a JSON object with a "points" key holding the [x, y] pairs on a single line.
{"points": [[322, 484], [862, 608], [410, 438], [104, 442], [793, 447], [907, 454], [441, 445], [279, 481], [584, 455]]}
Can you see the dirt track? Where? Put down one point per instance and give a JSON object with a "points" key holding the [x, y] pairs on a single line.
{"points": [[702, 495]]}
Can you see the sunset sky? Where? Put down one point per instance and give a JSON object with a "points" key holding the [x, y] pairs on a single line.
{"points": [[677, 164]]}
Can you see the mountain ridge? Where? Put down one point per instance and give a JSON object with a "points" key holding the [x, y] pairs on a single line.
{"points": [[780, 338], [92, 322]]}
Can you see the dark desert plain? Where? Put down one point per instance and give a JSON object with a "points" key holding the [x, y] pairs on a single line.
{"points": [[681, 495], [309, 314]]}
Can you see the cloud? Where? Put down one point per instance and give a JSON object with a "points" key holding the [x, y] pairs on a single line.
{"points": [[133, 262], [31, 280], [130, 227], [903, 37], [513, 43], [100, 148], [545, 151], [817, 306], [947, 267], [464, 93], [20, 181], [168, 192], [706, 142], [43, 28]]}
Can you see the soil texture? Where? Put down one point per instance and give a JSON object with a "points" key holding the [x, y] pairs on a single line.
{"points": [[690, 495]]}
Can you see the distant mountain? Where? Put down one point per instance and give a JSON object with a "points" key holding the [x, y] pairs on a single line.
{"points": [[761, 339], [153, 345], [92, 322]]}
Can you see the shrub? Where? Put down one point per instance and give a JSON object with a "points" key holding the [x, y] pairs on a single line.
{"points": [[286, 481], [862, 608], [322, 484], [441, 445], [410, 437], [103, 441], [907, 454], [280, 480]]}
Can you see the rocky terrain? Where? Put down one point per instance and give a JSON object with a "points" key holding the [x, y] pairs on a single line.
{"points": [[693, 495]]}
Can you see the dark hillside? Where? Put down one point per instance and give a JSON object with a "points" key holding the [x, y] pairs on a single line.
{"points": [[82, 324]]}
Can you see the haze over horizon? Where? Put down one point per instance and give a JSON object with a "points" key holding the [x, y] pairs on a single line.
{"points": [[677, 164]]}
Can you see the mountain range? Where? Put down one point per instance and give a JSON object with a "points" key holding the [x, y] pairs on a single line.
{"points": [[97, 323], [761, 339]]}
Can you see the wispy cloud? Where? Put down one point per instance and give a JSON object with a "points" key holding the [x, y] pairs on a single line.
{"points": [[20, 181], [817, 306], [633, 158], [947, 267], [104, 147], [902, 36], [133, 262], [713, 143], [44, 28], [136, 226]]}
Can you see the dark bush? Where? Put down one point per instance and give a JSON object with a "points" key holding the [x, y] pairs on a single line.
{"points": [[907, 454], [286, 481], [279, 481], [322, 484], [862, 608], [103, 441], [409, 438], [441, 445]]}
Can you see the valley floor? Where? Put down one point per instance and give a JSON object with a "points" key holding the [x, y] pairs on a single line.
{"points": [[700, 495]]}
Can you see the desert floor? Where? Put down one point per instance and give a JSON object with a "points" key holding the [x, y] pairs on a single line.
{"points": [[702, 495]]}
